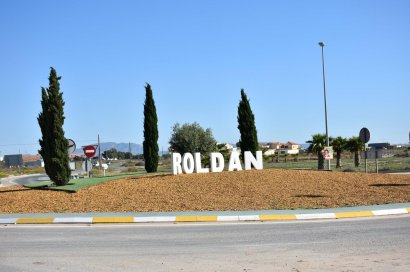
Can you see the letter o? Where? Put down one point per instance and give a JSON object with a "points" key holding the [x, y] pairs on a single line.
{"points": [[188, 163]]}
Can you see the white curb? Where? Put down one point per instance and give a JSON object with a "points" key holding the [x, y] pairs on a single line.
{"points": [[390, 212], [8, 220], [316, 216], [203, 218], [67, 220], [154, 219]]}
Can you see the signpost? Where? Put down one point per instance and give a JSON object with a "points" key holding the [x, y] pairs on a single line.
{"points": [[376, 155], [328, 153], [71, 146], [89, 152], [364, 136]]}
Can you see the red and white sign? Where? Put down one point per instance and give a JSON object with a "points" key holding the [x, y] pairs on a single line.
{"points": [[89, 151]]}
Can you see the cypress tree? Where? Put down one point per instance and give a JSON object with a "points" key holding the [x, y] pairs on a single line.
{"points": [[53, 144], [150, 144], [246, 126]]}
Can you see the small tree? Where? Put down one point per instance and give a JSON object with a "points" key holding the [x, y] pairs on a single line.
{"points": [[339, 145], [150, 144], [111, 153], [246, 126], [355, 145], [191, 138], [53, 144], [317, 144], [222, 148]]}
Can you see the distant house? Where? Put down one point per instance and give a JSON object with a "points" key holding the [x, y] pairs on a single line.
{"points": [[269, 152], [13, 160], [263, 145], [379, 145], [227, 147], [274, 145], [33, 161], [290, 148]]}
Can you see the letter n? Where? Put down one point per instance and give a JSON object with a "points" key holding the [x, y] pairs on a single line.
{"points": [[250, 160]]}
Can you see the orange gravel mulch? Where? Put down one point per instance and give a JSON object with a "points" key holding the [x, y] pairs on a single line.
{"points": [[245, 190]]}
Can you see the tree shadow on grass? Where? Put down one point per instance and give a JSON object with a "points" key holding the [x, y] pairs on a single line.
{"points": [[310, 196], [152, 176], [389, 184], [19, 190]]}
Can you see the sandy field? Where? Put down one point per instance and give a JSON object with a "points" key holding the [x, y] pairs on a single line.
{"points": [[245, 190]]}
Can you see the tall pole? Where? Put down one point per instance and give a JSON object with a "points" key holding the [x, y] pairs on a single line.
{"points": [[129, 150], [99, 152], [322, 45]]}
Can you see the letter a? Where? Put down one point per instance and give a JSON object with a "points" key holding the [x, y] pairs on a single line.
{"points": [[234, 162]]}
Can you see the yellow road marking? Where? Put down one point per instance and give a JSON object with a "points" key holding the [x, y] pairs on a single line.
{"points": [[266, 217], [353, 214], [34, 220], [206, 218], [113, 220], [186, 218]]}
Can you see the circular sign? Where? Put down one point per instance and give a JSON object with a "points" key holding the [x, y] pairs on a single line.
{"points": [[71, 146], [89, 151], [364, 135]]}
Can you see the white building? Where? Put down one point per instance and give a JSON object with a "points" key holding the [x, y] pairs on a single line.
{"points": [[289, 148]]}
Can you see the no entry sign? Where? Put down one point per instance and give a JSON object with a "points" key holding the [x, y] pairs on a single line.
{"points": [[89, 151]]}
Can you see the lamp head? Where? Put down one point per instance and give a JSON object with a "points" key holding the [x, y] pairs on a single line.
{"points": [[321, 44]]}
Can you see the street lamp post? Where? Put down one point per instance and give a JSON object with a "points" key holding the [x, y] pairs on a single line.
{"points": [[322, 45]]}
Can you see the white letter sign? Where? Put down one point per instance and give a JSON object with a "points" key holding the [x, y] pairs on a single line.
{"points": [[234, 162], [176, 163], [189, 163], [198, 166], [217, 162], [250, 160]]}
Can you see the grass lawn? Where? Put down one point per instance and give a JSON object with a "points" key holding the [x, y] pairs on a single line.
{"points": [[384, 164]]}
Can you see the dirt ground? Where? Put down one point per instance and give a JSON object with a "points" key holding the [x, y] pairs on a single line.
{"points": [[245, 190]]}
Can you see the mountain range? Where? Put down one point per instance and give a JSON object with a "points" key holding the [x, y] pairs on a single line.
{"points": [[123, 147]]}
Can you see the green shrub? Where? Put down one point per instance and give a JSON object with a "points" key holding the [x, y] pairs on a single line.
{"points": [[128, 164], [140, 163], [349, 170], [132, 169], [3, 175], [95, 172]]}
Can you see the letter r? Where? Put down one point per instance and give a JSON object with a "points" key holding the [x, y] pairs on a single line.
{"points": [[176, 163]]}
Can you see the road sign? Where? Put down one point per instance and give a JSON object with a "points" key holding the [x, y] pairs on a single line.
{"points": [[71, 146], [328, 153], [90, 151], [364, 135]]}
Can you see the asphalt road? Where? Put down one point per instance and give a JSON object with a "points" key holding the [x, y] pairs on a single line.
{"points": [[374, 244], [21, 180]]}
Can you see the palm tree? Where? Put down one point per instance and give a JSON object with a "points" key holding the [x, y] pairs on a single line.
{"points": [[339, 145], [317, 144], [355, 145]]}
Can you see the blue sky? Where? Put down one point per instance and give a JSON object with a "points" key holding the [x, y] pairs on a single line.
{"points": [[197, 55]]}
